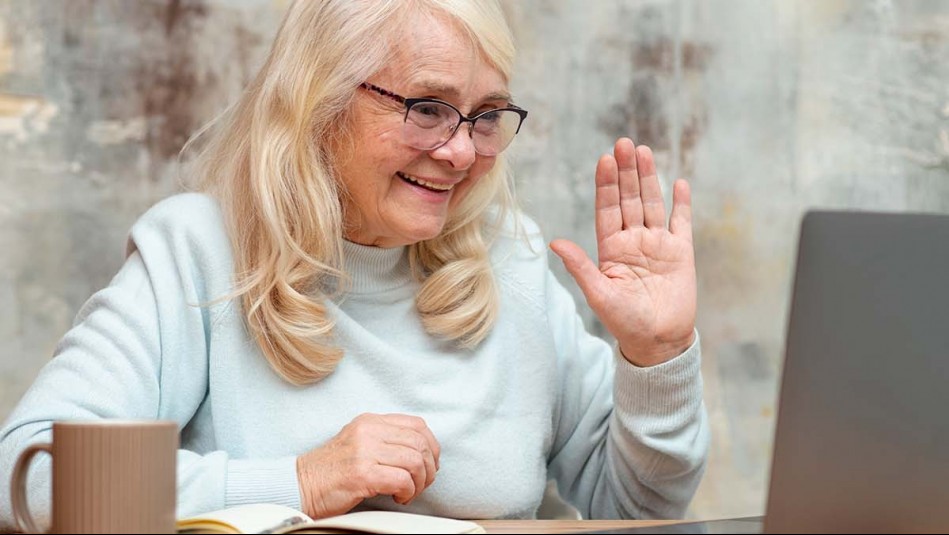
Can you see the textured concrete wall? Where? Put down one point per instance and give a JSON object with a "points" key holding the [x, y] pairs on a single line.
{"points": [[769, 108]]}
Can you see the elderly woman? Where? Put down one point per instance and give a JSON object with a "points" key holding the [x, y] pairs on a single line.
{"points": [[352, 313]]}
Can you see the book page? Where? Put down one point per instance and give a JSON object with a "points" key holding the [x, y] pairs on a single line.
{"points": [[252, 518], [390, 522], [269, 518]]}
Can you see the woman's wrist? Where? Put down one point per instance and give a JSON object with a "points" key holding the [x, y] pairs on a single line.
{"points": [[306, 500], [656, 353]]}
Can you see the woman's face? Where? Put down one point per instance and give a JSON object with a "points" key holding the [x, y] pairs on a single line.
{"points": [[384, 206]]}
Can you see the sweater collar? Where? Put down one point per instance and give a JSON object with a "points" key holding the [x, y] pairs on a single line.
{"points": [[376, 269]]}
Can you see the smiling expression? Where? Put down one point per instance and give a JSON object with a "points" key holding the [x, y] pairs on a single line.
{"points": [[397, 195]]}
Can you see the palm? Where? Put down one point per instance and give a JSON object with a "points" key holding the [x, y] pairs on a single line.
{"points": [[644, 289], [648, 284]]}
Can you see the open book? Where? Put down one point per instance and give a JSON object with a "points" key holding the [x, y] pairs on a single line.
{"points": [[269, 518]]}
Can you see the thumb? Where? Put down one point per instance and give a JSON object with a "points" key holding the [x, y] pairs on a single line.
{"points": [[580, 267]]}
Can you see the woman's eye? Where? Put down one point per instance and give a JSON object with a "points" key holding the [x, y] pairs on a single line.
{"points": [[490, 117], [427, 109]]}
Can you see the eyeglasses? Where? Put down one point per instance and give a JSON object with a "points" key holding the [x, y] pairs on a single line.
{"points": [[429, 123]]}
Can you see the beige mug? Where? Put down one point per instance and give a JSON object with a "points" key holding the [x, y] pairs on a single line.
{"points": [[109, 476]]}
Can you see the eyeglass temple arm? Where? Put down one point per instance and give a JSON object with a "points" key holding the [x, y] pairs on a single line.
{"points": [[383, 92]]}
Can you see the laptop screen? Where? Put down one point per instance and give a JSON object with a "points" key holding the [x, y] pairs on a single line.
{"points": [[862, 435]]}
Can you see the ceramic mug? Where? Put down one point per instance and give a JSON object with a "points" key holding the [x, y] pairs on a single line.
{"points": [[108, 476]]}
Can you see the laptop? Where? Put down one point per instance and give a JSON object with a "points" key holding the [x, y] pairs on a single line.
{"points": [[862, 432]]}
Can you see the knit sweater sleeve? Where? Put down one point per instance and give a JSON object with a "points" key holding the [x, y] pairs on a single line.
{"points": [[629, 442], [139, 350]]}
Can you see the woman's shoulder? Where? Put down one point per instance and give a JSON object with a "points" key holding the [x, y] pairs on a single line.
{"points": [[183, 210], [196, 215], [187, 227], [513, 231], [518, 252]]}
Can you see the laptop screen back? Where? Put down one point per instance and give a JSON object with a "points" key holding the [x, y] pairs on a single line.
{"points": [[862, 437]]}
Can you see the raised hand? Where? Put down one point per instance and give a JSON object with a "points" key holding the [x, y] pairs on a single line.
{"points": [[644, 290], [388, 454]]}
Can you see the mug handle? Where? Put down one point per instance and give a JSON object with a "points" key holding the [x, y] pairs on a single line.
{"points": [[21, 510]]}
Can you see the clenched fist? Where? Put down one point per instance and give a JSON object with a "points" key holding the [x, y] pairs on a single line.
{"points": [[389, 454]]}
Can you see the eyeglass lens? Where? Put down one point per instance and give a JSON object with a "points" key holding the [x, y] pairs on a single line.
{"points": [[430, 124]]}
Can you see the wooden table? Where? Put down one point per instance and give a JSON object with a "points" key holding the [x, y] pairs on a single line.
{"points": [[551, 526], [547, 526], [564, 526]]}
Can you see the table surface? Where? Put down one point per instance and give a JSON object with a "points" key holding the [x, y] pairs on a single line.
{"points": [[550, 526], [564, 526]]}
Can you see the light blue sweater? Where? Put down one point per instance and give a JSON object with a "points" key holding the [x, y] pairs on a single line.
{"points": [[539, 398]]}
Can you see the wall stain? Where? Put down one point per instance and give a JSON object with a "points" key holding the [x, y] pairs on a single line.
{"points": [[644, 114], [179, 11], [640, 115], [168, 81], [139, 60], [659, 55]]}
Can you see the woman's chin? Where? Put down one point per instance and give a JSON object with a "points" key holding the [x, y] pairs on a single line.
{"points": [[420, 235], [399, 236], [422, 227]]}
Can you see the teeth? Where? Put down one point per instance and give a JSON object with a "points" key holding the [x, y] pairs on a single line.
{"points": [[431, 185]]}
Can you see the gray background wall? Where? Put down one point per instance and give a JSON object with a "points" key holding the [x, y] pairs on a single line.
{"points": [[768, 107]]}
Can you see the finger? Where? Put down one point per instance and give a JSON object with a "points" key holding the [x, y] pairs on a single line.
{"points": [[410, 438], [631, 204], [433, 444], [390, 481], [680, 223], [609, 218], [581, 268], [412, 461], [418, 424], [654, 212]]}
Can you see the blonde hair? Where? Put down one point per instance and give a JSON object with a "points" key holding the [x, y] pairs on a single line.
{"points": [[268, 164]]}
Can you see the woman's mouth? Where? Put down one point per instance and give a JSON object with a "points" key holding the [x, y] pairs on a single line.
{"points": [[430, 186]]}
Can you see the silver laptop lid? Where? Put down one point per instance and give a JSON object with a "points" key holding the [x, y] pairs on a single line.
{"points": [[862, 436]]}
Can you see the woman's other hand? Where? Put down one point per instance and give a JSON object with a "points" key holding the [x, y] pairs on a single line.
{"points": [[644, 290], [388, 454]]}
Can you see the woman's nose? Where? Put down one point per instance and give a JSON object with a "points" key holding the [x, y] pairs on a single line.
{"points": [[459, 150]]}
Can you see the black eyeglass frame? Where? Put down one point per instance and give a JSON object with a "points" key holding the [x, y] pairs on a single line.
{"points": [[462, 118]]}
